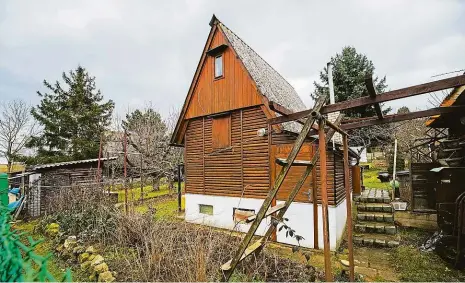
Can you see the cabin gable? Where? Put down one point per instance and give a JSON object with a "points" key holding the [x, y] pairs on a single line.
{"points": [[233, 90]]}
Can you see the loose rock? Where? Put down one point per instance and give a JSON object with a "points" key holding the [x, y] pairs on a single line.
{"points": [[106, 277], [102, 267], [98, 259]]}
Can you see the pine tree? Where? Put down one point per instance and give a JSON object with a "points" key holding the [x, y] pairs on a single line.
{"points": [[349, 70], [73, 118]]}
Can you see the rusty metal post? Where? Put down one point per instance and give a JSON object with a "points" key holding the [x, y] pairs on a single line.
{"points": [[125, 145], [349, 209], [99, 156], [324, 197], [141, 178]]}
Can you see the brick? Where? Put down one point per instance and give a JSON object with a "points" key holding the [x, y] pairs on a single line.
{"points": [[389, 218], [379, 228], [369, 217], [379, 217], [392, 244], [390, 230], [387, 208], [380, 243], [361, 216], [387, 200], [370, 228], [368, 242], [360, 227], [358, 241]]}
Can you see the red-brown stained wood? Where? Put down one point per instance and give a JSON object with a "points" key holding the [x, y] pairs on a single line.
{"points": [[242, 166], [221, 131], [234, 90]]}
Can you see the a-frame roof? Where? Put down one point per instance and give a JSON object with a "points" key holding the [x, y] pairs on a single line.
{"points": [[267, 80]]}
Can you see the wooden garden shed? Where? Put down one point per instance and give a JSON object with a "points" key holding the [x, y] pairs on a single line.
{"points": [[232, 155]]}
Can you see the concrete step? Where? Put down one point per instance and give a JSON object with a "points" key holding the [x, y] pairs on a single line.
{"points": [[376, 217], [375, 227], [374, 196], [376, 240], [374, 207]]}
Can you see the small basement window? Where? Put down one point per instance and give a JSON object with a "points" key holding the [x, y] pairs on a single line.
{"points": [[219, 66], [206, 209], [221, 131]]}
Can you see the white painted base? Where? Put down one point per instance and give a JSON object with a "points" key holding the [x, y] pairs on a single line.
{"points": [[300, 217]]}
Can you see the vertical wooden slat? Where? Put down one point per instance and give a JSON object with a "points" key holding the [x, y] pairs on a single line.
{"points": [[324, 196], [349, 209], [203, 152], [315, 204]]}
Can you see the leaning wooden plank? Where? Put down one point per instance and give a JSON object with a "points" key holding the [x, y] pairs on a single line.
{"points": [[282, 162], [270, 211], [301, 181], [250, 250], [273, 192], [372, 92]]}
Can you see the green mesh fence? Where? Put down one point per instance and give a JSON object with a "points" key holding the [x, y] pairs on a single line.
{"points": [[18, 261]]}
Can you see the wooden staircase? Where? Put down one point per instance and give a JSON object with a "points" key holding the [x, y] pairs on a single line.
{"points": [[245, 248]]}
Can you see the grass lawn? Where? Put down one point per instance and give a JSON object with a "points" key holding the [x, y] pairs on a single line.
{"points": [[149, 193], [418, 266], [370, 178], [166, 208]]}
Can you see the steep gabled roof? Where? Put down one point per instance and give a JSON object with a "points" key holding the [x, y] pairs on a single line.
{"points": [[268, 81]]}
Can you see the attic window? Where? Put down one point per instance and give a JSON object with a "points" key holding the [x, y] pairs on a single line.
{"points": [[219, 66]]}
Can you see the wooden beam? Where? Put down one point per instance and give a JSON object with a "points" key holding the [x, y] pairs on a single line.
{"points": [[383, 97], [299, 141], [324, 200], [278, 108], [347, 186], [400, 117], [372, 92]]}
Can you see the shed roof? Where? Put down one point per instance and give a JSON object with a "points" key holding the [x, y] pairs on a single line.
{"points": [[66, 163]]}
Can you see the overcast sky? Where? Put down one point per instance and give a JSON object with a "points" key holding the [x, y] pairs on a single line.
{"points": [[148, 50]]}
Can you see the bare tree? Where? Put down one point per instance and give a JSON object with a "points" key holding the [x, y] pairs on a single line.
{"points": [[16, 127], [148, 140]]}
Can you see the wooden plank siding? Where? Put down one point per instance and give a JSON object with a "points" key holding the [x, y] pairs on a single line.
{"points": [[234, 90], [227, 171], [244, 169]]}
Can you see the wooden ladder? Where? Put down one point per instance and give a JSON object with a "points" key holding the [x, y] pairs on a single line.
{"points": [[245, 249]]}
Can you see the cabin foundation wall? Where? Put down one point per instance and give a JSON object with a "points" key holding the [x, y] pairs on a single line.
{"points": [[300, 217]]}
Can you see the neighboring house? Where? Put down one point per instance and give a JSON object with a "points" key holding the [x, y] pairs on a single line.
{"points": [[229, 165], [438, 185]]}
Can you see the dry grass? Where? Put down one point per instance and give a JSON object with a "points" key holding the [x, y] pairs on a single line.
{"points": [[158, 250], [149, 247]]}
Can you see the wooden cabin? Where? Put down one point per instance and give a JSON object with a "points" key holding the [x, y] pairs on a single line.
{"points": [[230, 157]]}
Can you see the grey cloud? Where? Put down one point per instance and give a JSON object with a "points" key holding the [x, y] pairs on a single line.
{"points": [[148, 50]]}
